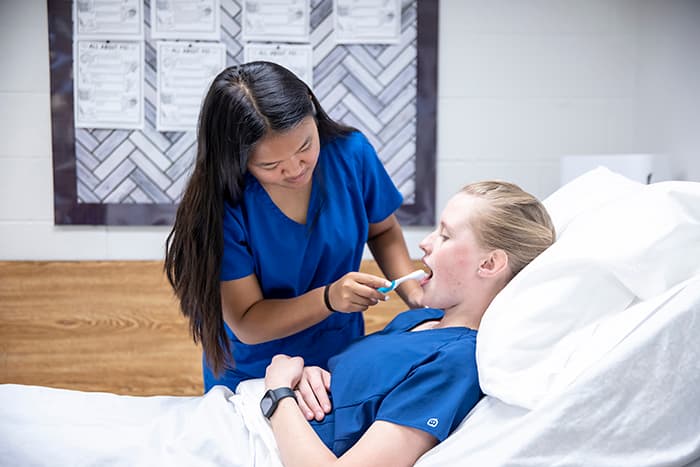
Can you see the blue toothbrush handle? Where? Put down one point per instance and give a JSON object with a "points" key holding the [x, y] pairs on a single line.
{"points": [[387, 289]]}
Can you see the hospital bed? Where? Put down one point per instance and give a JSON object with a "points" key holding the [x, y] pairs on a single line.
{"points": [[589, 357]]}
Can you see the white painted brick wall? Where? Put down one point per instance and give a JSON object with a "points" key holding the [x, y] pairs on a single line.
{"points": [[521, 83]]}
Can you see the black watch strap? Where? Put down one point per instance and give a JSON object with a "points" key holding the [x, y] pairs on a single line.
{"points": [[269, 402]]}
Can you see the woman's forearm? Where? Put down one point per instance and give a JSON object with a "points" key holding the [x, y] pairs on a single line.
{"points": [[298, 443], [270, 319]]}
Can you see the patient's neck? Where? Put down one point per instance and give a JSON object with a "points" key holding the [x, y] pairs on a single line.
{"points": [[447, 322], [471, 322], [425, 325]]}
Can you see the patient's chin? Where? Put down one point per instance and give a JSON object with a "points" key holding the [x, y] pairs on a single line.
{"points": [[429, 299]]}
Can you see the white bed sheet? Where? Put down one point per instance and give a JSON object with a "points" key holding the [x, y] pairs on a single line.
{"points": [[56, 427]]}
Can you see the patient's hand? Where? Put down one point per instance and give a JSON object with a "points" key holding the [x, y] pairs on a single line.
{"points": [[312, 392], [284, 371]]}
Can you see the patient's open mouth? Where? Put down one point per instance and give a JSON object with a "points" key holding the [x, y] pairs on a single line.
{"points": [[427, 278]]}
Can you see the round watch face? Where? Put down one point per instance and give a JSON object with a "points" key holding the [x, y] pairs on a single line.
{"points": [[266, 404]]}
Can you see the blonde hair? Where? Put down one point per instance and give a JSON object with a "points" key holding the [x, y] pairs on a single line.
{"points": [[511, 220]]}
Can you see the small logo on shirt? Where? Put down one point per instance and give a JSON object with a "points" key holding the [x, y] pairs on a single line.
{"points": [[433, 422]]}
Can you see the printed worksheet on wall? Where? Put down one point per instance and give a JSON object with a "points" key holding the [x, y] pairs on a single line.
{"points": [[185, 71], [108, 19], [275, 21], [185, 19], [367, 21], [297, 58], [108, 84]]}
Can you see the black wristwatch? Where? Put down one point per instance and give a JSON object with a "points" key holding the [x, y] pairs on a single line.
{"points": [[272, 397]]}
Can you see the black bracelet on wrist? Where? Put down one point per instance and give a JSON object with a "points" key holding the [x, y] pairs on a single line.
{"points": [[269, 402], [326, 299]]}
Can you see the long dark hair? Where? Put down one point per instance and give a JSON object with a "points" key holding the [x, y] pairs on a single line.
{"points": [[243, 104]]}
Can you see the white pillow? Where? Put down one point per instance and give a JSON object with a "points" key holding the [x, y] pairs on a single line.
{"points": [[589, 191], [619, 241]]}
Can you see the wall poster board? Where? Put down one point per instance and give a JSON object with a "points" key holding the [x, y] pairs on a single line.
{"points": [[109, 170]]}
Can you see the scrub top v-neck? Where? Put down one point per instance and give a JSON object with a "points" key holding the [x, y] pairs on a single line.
{"points": [[350, 190]]}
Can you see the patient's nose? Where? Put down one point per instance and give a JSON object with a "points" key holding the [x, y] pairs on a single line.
{"points": [[426, 243]]}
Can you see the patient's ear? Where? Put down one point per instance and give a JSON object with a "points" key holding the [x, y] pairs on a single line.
{"points": [[494, 264]]}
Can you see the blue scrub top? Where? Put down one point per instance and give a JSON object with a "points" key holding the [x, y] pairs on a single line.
{"points": [[350, 190], [423, 379]]}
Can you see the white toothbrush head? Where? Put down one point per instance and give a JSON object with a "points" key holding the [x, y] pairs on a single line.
{"points": [[417, 275]]}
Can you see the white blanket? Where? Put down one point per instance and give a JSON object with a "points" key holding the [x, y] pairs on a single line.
{"points": [[55, 427]]}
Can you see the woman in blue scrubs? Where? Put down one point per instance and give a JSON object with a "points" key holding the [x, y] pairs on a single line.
{"points": [[269, 234], [395, 394]]}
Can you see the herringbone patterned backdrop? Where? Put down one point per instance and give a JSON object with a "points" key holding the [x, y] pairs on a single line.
{"points": [[371, 87]]}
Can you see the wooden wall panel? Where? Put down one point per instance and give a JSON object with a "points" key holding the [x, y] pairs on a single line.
{"points": [[98, 326], [106, 326]]}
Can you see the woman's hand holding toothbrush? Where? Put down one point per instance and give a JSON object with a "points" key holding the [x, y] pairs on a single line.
{"points": [[413, 297], [355, 291]]}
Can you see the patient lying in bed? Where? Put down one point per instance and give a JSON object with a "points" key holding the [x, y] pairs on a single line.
{"points": [[587, 357], [407, 387]]}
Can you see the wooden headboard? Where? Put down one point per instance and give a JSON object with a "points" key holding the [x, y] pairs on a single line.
{"points": [[108, 326]]}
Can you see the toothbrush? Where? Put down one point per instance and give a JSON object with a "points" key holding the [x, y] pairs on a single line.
{"points": [[417, 275]]}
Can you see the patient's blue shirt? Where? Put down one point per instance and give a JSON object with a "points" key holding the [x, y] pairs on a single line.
{"points": [[422, 379], [350, 190]]}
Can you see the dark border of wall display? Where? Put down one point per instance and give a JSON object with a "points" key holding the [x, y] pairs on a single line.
{"points": [[69, 211]]}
